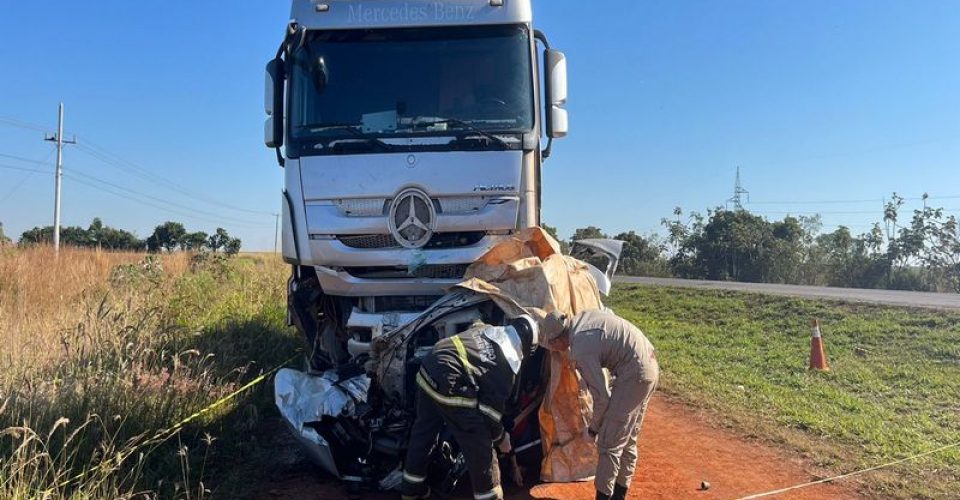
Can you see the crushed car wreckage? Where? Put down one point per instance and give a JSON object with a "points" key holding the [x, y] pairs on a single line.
{"points": [[354, 418]]}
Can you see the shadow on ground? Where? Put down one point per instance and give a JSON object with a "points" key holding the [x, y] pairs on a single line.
{"points": [[245, 451]]}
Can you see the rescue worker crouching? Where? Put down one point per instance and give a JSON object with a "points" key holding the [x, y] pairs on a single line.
{"points": [[465, 383], [597, 340]]}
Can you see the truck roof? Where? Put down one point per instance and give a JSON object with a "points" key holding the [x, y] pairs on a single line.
{"points": [[354, 14]]}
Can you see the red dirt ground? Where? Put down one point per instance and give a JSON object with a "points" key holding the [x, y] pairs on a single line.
{"points": [[679, 448]]}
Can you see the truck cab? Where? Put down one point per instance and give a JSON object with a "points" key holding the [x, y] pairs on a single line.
{"points": [[412, 136]]}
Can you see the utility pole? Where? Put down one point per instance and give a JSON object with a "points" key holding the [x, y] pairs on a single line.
{"points": [[738, 192], [57, 178], [276, 234]]}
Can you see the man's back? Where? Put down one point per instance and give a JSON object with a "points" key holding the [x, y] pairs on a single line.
{"points": [[622, 348]]}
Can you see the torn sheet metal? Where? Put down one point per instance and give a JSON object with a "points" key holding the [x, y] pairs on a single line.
{"points": [[523, 275], [303, 399], [588, 250]]}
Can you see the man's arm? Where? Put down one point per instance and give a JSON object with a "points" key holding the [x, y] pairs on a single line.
{"points": [[586, 351]]}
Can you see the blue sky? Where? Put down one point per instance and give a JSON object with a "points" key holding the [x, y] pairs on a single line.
{"points": [[817, 101]]}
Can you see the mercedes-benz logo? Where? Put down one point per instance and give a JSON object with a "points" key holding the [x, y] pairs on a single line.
{"points": [[413, 218]]}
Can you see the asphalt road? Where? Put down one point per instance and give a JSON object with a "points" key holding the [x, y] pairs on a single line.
{"points": [[887, 297]]}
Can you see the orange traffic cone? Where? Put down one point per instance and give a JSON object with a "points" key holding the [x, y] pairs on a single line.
{"points": [[818, 358]]}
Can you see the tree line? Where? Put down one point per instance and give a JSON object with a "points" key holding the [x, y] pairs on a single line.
{"points": [[919, 251], [167, 237]]}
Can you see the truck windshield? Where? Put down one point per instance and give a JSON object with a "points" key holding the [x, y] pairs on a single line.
{"points": [[410, 82]]}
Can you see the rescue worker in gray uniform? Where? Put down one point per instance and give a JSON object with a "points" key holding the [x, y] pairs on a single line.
{"points": [[465, 383], [597, 340]]}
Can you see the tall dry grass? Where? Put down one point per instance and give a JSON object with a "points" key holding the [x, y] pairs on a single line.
{"points": [[101, 351], [43, 297]]}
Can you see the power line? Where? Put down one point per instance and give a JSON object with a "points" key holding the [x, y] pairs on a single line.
{"points": [[852, 201], [101, 153], [16, 187], [190, 211], [827, 212], [105, 156], [166, 204], [26, 160], [24, 169], [813, 202], [183, 208], [24, 125], [950, 197], [854, 212], [153, 205]]}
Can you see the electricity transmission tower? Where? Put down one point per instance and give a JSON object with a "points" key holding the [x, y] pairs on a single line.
{"points": [[738, 193], [58, 138]]}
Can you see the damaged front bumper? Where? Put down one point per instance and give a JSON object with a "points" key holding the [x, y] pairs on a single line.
{"points": [[353, 421], [305, 400]]}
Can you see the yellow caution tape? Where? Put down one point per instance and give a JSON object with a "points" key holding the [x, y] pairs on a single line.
{"points": [[163, 435], [851, 474]]}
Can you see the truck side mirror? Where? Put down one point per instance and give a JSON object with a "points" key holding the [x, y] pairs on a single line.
{"points": [[556, 83], [273, 104]]}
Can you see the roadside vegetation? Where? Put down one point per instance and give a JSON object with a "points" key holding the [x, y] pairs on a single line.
{"points": [[919, 252], [894, 388], [104, 351], [167, 237]]}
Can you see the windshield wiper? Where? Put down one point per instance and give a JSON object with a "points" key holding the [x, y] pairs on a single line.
{"points": [[462, 124], [355, 133]]}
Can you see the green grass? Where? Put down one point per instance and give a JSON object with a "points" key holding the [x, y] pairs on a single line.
{"points": [[894, 388], [125, 348]]}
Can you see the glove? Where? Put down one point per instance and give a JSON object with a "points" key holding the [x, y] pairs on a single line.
{"points": [[505, 447]]}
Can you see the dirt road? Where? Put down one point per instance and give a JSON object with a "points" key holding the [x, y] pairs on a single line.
{"points": [[679, 449], [885, 297]]}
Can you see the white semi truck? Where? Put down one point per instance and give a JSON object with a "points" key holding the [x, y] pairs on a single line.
{"points": [[412, 136]]}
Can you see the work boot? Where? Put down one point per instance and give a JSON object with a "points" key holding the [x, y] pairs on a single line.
{"points": [[602, 496], [619, 493]]}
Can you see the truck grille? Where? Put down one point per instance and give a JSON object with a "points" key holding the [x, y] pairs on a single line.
{"points": [[405, 303], [378, 207], [435, 271], [369, 241], [439, 240]]}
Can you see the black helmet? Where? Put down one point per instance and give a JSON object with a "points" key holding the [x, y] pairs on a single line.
{"points": [[528, 331]]}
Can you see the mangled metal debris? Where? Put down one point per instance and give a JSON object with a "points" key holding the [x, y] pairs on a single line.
{"points": [[354, 419]]}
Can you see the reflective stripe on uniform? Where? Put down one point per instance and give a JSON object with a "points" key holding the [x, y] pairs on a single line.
{"points": [[462, 353], [457, 401], [496, 492], [490, 412], [412, 478]]}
